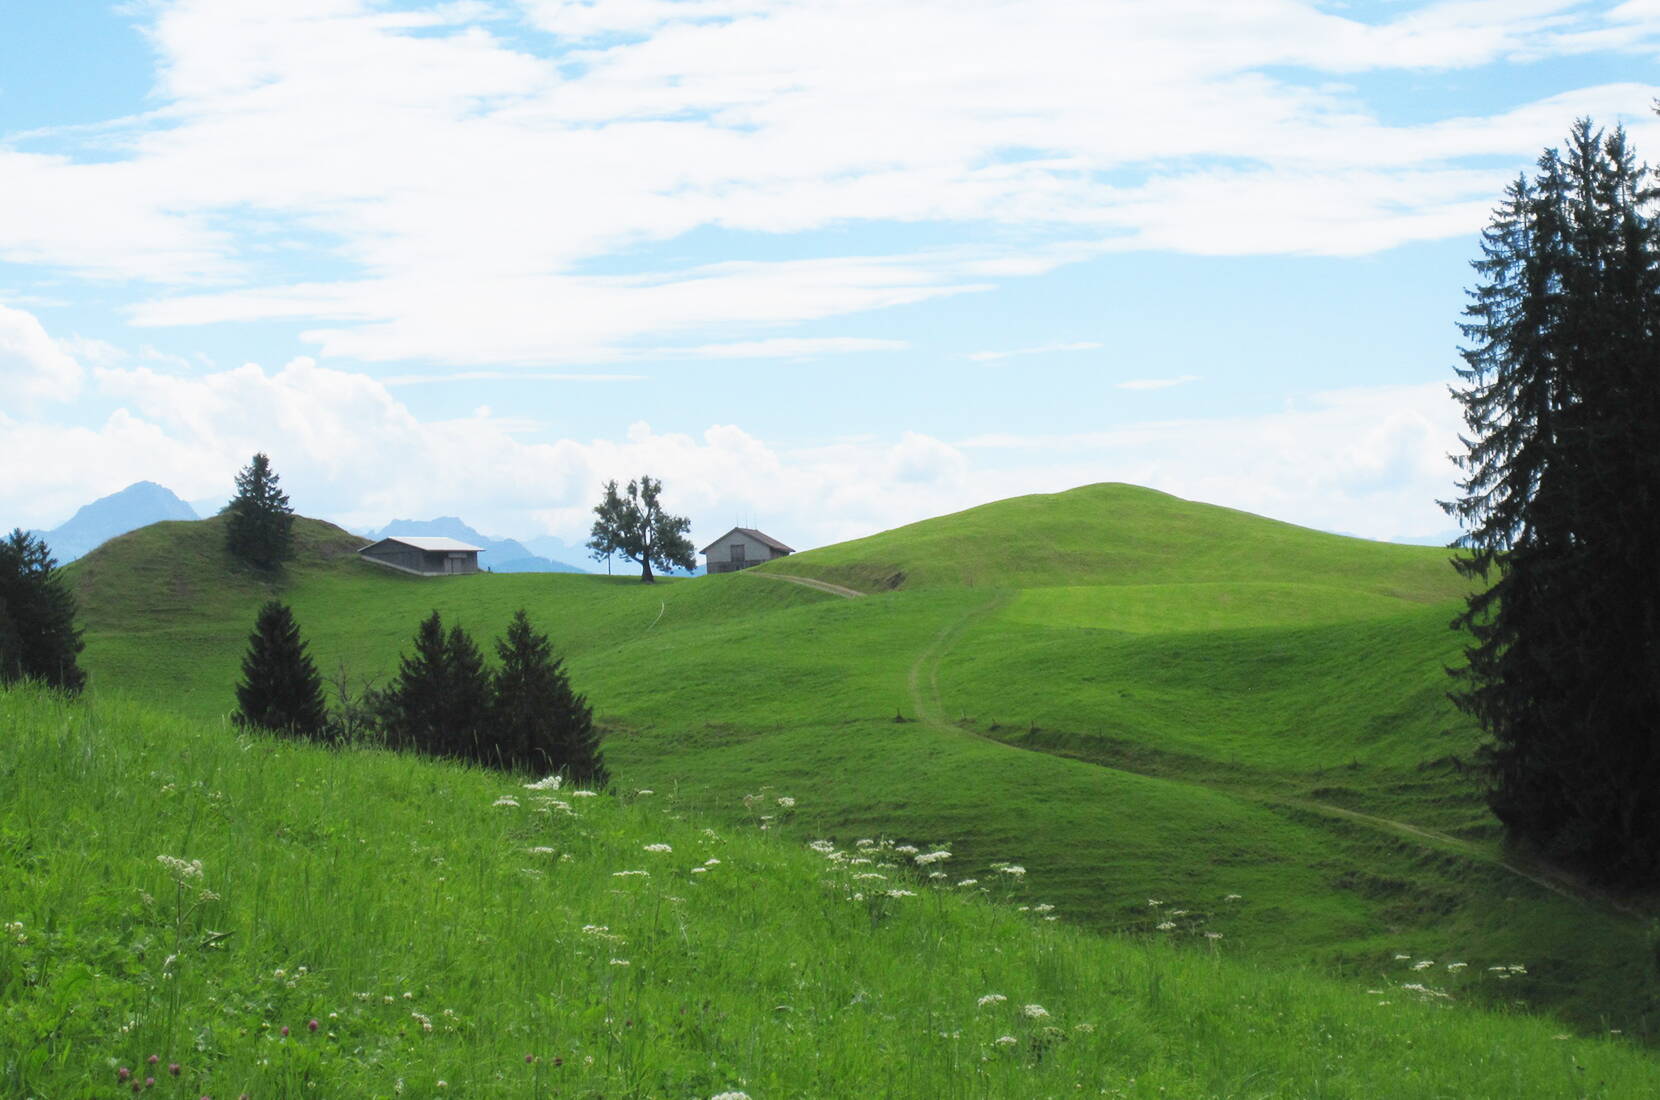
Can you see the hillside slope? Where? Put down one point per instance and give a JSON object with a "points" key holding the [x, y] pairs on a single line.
{"points": [[1117, 534], [1202, 720], [283, 921]]}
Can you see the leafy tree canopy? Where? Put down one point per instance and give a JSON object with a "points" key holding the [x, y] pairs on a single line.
{"points": [[635, 526]]}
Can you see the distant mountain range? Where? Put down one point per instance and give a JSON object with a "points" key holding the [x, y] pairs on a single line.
{"points": [[138, 505], [145, 502], [498, 555]]}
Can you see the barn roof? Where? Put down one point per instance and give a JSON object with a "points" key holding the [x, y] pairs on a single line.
{"points": [[427, 542], [760, 537]]}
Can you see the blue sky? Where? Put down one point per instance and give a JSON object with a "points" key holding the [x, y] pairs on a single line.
{"points": [[826, 266]]}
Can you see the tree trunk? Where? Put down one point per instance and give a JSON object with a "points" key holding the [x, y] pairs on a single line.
{"points": [[645, 571]]}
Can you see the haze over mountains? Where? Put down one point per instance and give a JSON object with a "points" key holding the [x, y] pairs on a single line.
{"points": [[145, 502], [498, 555], [138, 505]]}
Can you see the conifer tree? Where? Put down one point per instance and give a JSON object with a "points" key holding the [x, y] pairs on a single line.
{"points": [[1561, 508], [466, 698], [280, 688], [439, 702], [259, 524], [538, 721], [38, 636], [413, 705]]}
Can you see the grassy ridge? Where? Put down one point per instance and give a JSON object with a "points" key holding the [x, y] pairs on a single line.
{"points": [[1207, 716], [448, 940]]}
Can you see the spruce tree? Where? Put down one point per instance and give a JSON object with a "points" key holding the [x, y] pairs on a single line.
{"points": [[1561, 507], [413, 714], [280, 688], [259, 524], [38, 636], [439, 702], [538, 721], [466, 698]]}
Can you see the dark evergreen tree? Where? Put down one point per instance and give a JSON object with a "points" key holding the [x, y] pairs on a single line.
{"points": [[1561, 507], [636, 527], [538, 722], [466, 706], [412, 715], [280, 688], [38, 637], [259, 524], [439, 702]]}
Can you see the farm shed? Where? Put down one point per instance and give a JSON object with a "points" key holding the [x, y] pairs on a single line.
{"points": [[741, 548], [422, 555]]}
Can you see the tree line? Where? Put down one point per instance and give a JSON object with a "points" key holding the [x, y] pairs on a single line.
{"points": [[1561, 509], [522, 716]]}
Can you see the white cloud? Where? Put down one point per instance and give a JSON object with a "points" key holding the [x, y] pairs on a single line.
{"points": [[33, 367], [454, 180], [1156, 383], [1041, 349], [1370, 461]]}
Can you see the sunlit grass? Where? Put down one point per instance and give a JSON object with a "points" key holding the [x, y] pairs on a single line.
{"points": [[282, 920]]}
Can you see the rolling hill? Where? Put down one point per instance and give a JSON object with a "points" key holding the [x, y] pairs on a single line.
{"points": [[1131, 695]]}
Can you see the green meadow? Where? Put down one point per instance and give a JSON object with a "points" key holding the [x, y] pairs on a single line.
{"points": [[235, 915], [1135, 698]]}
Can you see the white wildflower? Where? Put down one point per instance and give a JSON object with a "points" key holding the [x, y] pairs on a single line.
{"points": [[787, 802], [1006, 1041], [1154, 903], [864, 842], [630, 874], [907, 849], [1166, 925], [1457, 966], [1231, 897], [1014, 869], [620, 962], [658, 848], [711, 862], [1044, 907], [901, 894], [866, 876], [182, 870], [730, 1096], [991, 999], [1423, 964], [542, 851], [643, 793], [506, 800], [969, 882], [925, 858], [1213, 935], [551, 783], [583, 794], [1035, 1012], [700, 870]]}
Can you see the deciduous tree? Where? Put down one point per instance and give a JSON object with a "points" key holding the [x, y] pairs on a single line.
{"points": [[635, 526]]}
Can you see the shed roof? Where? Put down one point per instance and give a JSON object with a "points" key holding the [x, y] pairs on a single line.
{"points": [[763, 539], [427, 542]]}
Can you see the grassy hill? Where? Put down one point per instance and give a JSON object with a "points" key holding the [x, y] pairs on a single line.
{"points": [[1131, 695], [238, 915]]}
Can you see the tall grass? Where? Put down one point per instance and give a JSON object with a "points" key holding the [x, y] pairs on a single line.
{"points": [[281, 920]]}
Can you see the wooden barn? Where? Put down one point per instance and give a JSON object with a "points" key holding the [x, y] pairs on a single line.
{"points": [[422, 555], [741, 548]]}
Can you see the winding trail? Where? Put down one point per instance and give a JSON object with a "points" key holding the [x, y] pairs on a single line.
{"points": [[922, 684], [823, 586]]}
